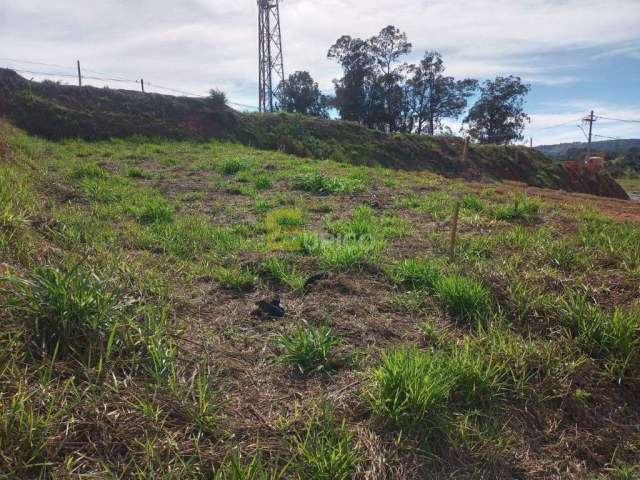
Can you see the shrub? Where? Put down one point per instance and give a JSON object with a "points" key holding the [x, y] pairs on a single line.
{"points": [[72, 313], [217, 98], [308, 348], [464, 298], [417, 274]]}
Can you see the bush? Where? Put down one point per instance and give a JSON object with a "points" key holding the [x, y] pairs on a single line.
{"points": [[217, 98], [308, 348]]}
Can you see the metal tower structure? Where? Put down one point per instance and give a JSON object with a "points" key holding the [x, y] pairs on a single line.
{"points": [[270, 61]]}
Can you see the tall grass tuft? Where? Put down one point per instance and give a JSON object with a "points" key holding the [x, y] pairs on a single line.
{"points": [[417, 274], [464, 298], [73, 314], [325, 451], [308, 349]]}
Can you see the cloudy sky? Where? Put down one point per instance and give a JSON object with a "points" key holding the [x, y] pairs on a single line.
{"points": [[577, 54]]}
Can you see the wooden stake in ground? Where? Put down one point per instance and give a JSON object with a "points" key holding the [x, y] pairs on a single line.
{"points": [[465, 150], [454, 229], [79, 75]]}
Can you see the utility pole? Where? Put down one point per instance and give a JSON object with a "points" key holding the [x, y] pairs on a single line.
{"points": [[270, 58], [79, 75], [590, 119]]}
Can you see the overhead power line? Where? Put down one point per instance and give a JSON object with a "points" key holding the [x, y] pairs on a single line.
{"points": [[626, 120]]}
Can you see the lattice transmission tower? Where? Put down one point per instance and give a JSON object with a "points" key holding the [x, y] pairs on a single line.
{"points": [[270, 60]]}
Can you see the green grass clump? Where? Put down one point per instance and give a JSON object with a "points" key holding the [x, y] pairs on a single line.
{"points": [[231, 166], [364, 223], [187, 237], [71, 314], [88, 170], [423, 391], [613, 242], [464, 298], [235, 278], [262, 182], [613, 336], [137, 172], [308, 349], [472, 203], [316, 182], [523, 209], [417, 274], [325, 451], [279, 270], [411, 389], [283, 226], [341, 255], [155, 210]]}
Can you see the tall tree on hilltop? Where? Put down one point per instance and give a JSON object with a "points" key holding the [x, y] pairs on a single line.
{"points": [[387, 48], [353, 90], [432, 96], [301, 94], [498, 116]]}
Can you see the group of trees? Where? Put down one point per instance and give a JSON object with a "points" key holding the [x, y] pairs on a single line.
{"points": [[380, 91]]}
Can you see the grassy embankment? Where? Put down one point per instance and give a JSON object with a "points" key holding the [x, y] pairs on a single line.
{"points": [[129, 348]]}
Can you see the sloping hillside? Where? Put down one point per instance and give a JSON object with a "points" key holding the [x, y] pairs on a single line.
{"points": [[141, 337], [56, 111]]}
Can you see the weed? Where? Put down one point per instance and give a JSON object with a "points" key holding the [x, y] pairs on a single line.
{"points": [[231, 166], [341, 255], [317, 183], [523, 209], [278, 269], [88, 170], [68, 313], [420, 274], [155, 210], [411, 389], [326, 452], [136, 172], [235, 278], [464, 298], [610, 335], [308, 348]]}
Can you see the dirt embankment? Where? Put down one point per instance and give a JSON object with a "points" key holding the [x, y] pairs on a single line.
{"points": [[59, 111]]}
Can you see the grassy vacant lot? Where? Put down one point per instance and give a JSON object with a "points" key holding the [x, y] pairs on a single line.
{"points": [[129, 346]]}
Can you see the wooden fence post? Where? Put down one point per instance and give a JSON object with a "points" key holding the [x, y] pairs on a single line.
{"points": [[79, 75], [454, 228]]}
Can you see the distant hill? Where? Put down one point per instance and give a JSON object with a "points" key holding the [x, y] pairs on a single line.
{"points": [[559, 151]]}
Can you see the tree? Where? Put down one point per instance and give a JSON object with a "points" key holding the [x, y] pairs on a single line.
{"points": [[353, 89], [498, 116], [432, 97], [300, 94], [370, 90]]}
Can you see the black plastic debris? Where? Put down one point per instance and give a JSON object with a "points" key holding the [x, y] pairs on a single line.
{"points": [[270, 308]]}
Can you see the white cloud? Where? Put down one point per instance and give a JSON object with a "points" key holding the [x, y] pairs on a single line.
{"points": [[194, 45]]}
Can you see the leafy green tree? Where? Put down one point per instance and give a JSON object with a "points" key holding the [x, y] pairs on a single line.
{"points": [[353, 90], [498, 116], [301, 94], [431, 96]]}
